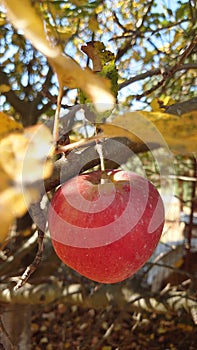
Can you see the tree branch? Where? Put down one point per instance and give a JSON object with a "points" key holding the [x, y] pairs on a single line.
{"points": [[130, 296], [136, 33], [170, 72], [157, 71], [118, 149], [152, 32], [182, 107]]}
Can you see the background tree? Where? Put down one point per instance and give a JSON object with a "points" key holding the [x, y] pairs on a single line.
{"points": [[154, 44]]}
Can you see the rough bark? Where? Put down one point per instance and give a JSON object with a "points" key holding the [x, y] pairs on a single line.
{"points": [[182, 107], [116, 152]]}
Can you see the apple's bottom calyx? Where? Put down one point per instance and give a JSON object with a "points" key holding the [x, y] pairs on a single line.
{"points": [[106, 231]]}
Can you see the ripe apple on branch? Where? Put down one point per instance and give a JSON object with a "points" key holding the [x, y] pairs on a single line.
{"points": [[106, 230]]}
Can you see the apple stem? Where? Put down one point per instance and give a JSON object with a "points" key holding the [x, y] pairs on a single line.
{"points": [[99, 148]]}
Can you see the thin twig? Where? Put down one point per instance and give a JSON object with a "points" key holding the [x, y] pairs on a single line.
{"points": [[40, 220], [154, 72], [34, 265], [168, 74], [142, 34]]}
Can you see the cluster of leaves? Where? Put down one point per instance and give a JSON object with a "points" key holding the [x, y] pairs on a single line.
{"points": [[146, 38], [23, 161], [22, 76]]}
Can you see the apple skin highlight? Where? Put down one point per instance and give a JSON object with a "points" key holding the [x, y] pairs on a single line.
{"points": [[106, 231]]}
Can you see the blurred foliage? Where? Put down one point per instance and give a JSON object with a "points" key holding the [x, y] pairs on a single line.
{"points": [[143, 37]]}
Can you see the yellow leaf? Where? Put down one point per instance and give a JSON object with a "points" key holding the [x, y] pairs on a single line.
{"points": [[186, 327], [139, 127], [110, 130], [168, 101], [99, 8], [178, 132], [2, 19], [5, 223], [23, 161], [70, 74], [135, 4], [5, 180], [155, 105], [177, 37], [79, 2], [24, 17], [65, 33], [93, 24], [4, 88], [179, 263], [24, 157], [19, 67], [8, 124], [136, 55], [14, 203]]}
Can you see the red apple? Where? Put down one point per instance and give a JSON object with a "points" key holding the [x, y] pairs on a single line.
{"points": [[106, 231]]}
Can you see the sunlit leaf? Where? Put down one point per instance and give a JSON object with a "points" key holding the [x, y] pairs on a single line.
{"points": [[179, 132], [13, 204], [79, 2], [155, 105], [64, 33], [111, 130], [134, 123], [2, 19], [168, 101], [24, 157], [96, 88], [93, 24], [8, 124], [4, 88]]}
